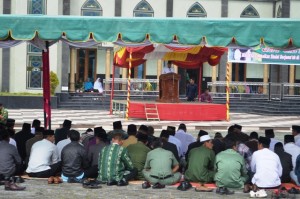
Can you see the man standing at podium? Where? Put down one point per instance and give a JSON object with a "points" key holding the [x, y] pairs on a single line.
{"points": [[168, 69]]}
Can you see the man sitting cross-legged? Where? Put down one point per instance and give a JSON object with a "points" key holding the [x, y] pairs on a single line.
{"points": [[115, 166], [43, 161], [230, 169], [266, 167], [138, 153], [74, 159], [201, 162], [160, 168]]}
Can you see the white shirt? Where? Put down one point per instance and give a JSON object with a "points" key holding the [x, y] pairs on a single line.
{"points": [[33, 130], [294, 150], [98, 85], [43, 154], [174, 140], [297, 140], [185, 138], [272, 144], [61, 144], [168, 70], [12, 142], [267, 168]]}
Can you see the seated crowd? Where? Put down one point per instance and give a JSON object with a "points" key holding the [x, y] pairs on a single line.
{"points": [[114, 158]]}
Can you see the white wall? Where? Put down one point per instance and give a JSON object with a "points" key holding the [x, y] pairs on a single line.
{"points": [[212, 7], [235, 8], [207, 70], [151, 67], [294, 12], [255, 71]]}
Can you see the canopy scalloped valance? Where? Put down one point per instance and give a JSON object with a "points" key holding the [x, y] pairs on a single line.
{"points": [[279, 33]]}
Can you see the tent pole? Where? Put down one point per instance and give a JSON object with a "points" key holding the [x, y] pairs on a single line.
{"points": [[112, 91], [128, 85], [200, 82], [46, 87], [227, 91]]}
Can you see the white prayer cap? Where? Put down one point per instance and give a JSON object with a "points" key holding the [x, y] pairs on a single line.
{"points": [[204, 138]]}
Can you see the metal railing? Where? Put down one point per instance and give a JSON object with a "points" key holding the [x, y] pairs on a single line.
{"points": [[255, 90], [138, 87]]}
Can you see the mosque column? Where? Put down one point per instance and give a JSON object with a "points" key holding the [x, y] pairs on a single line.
{"points": [[72, 69], [292, 79], [214, 77], [107, 67], [124, 76], [266, 77], [159, 69]]}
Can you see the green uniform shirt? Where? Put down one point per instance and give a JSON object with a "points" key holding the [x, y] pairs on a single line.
{"points": [[231, 169], [138, 154], [160, 162], [200, 165], [4, 114], [113, 163]]}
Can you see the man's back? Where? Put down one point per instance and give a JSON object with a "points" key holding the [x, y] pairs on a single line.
{"points": [[287, 166], [21, 138], [8, 159], [200, 165], [294, 150], [267, 168], [114, 160], [74, 159], [94, 152], [43, 154], [161, 162], [172, 148], [138, 154], [185, 138], [231, 169]]}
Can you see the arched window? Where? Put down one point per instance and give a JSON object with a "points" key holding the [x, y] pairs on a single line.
{"points": [[34, 66], [196, 10], [250, 12], [279, 12], [36, 7], [143, 9], [91, 8]]}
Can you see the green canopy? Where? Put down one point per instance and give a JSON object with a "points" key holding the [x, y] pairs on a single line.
{"points": [[217, 32]]}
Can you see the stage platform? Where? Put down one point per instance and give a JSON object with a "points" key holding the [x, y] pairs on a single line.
{"points": [[185, 111]]}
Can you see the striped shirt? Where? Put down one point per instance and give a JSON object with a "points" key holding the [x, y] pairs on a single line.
{"points": [[113, 163]]}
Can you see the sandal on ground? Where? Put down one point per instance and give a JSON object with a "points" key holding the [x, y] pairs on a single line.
{"points": [[203, 189]]}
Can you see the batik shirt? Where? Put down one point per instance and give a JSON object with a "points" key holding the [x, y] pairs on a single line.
{"points": [[114, 161]]}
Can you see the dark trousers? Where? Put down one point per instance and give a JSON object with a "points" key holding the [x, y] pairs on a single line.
{"points": [[131, 175], [91, 172], [54, 169]]}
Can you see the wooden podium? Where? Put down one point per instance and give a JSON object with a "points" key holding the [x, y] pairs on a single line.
{"points": [[168, 88]]}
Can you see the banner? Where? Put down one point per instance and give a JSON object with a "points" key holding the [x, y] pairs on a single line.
{"points": [[264, 55]]}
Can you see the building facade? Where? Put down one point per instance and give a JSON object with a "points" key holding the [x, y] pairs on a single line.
{"points": [[21, 66]]}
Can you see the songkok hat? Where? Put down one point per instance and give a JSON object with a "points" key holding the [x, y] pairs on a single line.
{"points": [[264, 140], [48, 132], [67, 123], [26, 127], [204, 138], [39, 129], [36, 123], [269, 132], [143, 128], [238, 126], [10, 122], [201, 133], [131, 129], [296, 128], [117, 125], [289, 138], [142, 137], [98, 130], [164, 134], [100, 133]]}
